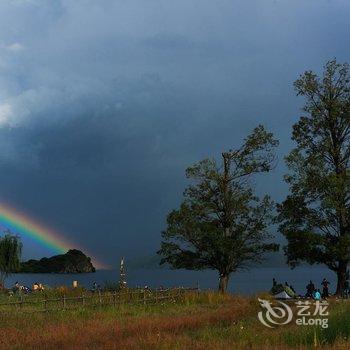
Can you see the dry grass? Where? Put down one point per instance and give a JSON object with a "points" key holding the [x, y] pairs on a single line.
{"points": [[208, 321]]}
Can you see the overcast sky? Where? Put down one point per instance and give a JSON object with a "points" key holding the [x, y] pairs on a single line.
{"points": [[103, 104]]}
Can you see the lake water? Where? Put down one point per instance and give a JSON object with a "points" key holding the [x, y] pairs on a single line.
{"points": [[249, 282]]}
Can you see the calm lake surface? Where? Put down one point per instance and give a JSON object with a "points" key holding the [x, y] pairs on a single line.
{"points": [[249, 282]]}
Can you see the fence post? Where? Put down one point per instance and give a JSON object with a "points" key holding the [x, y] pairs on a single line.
{"points": [[100, 297], [83, 300], [64, 302], [144, 296], [114, 298]]}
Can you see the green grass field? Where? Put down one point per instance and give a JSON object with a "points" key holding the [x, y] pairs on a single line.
{"points": [[194, 321]]}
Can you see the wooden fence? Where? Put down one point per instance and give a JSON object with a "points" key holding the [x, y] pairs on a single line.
{"points": [[30, 303]]}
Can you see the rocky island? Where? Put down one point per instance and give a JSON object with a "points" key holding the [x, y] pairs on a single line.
{"points": [[74, 261]]}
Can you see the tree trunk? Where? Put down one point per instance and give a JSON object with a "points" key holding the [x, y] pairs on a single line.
{"points": [[223, 282], [341, 277]]}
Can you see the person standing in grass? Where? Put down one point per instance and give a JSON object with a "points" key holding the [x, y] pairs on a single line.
{"points": [[325, 291], [310, 288]]}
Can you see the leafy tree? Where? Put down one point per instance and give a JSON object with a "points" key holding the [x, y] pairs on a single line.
{"points": [[10, 255], [221, 224], [315, 215]]}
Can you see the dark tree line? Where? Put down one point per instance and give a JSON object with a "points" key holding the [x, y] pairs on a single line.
{"points": [[223, 225]]}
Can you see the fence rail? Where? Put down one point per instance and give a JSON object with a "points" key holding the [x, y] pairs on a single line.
{"points": [[28, 304]]}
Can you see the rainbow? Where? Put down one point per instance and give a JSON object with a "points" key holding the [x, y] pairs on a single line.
{"points": [[18, 222]]}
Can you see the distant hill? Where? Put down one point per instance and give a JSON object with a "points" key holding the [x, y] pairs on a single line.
{"points": [[74, 261], [151, 262], [146, 262]]}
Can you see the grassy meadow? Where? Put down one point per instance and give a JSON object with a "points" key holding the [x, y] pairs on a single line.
{"points": [[195, 321]]}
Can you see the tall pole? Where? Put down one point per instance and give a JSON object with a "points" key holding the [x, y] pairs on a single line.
{"points": [[122, 275]]}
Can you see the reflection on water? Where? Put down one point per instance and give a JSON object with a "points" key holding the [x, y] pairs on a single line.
{"points": [[249, 282]]}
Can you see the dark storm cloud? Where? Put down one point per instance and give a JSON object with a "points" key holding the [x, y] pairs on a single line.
{"points": [[104, 103]]}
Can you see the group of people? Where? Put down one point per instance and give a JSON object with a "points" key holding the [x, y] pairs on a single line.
{"points": [[17, 288], [37, 287], [311, 290], [315, 293]]}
